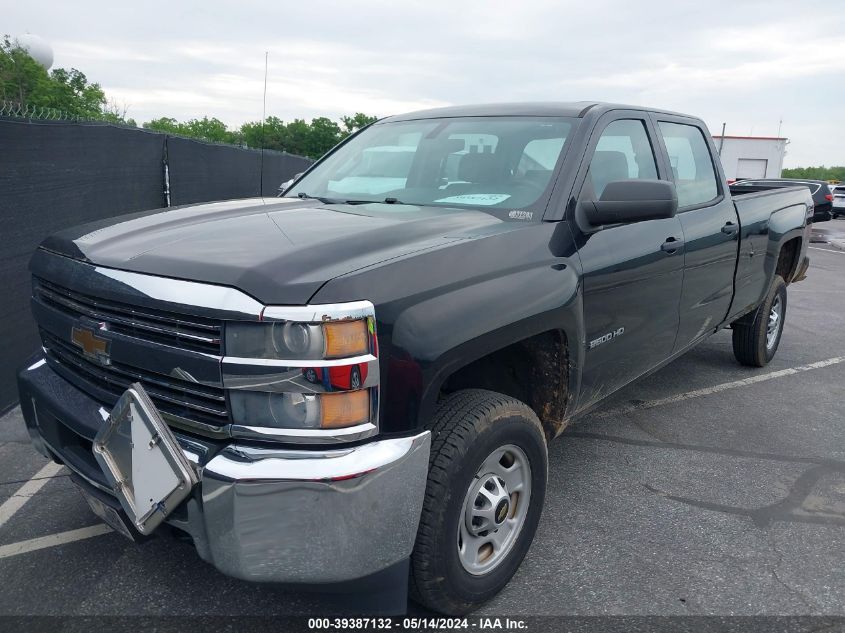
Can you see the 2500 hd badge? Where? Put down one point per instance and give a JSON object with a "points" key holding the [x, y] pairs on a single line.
{"points": [[607, 337]]}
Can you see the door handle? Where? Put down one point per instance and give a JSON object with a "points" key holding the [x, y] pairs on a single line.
{"points": [[730, 228], [672, 245]]}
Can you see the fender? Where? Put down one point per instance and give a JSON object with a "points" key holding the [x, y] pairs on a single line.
{"points": [[442, 309], [539, 300], [785, 225]]}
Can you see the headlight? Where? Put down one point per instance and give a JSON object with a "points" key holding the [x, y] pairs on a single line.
{"points": [[288, 340], [306, 374], [294, 339], [301, 411]]}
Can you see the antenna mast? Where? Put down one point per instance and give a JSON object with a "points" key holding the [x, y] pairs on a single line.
{"points": [[263, 118]]}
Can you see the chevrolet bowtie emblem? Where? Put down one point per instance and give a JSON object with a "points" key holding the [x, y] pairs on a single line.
{"points": [[92, 346]]}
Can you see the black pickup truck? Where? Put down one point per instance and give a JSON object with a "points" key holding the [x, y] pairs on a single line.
{"points": [[360, 378]]}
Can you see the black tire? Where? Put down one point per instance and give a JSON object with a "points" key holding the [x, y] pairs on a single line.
{"points": [[750, 332], [311, 375], [467, 427]]}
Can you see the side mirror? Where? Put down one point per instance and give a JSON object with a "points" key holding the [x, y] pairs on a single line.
{"points": [[625, 201]]}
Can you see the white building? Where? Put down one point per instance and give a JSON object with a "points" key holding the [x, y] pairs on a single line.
{"points": [[751, 156]]}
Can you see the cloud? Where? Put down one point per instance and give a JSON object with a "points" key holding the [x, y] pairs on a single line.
{"points": [[750, 64]]}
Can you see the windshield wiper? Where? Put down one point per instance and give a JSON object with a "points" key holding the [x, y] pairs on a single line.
{"points": [[325, 200], [304, 196], [385, 201], [352, 201]]}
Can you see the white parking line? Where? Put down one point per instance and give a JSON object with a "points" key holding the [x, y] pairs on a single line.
{"points": [[826, 250], [706, 391], [52, 540], [25, 492]]}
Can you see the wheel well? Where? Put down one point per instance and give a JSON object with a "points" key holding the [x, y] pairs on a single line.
{"points": [[787, 264], [534, 370]]}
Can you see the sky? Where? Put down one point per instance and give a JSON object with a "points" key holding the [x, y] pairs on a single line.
{"points": [[748, 64]]}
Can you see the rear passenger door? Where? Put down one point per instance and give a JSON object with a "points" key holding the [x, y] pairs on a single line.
{"points": [[710, 225], [632, 273]]}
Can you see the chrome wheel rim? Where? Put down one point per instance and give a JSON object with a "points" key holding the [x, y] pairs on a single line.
{"points": [[355, 379], [774, 323], [494, 510]]}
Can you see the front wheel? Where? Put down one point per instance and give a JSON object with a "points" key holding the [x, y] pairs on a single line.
{"points": [[484, 497], [756, 336]]}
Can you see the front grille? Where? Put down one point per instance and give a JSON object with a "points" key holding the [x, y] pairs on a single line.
{"points": [[183, 398], [199, 334]]}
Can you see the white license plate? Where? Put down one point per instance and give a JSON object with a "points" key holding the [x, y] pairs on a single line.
{"points": [[142, 461]]}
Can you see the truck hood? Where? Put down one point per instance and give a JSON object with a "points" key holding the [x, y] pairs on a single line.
{"points": [[280, 251]]}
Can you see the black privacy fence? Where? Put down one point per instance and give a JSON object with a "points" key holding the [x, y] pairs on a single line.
{"points": [[56, 174]]}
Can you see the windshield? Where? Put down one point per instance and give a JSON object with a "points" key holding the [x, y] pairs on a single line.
{"points": [[489, 162]]}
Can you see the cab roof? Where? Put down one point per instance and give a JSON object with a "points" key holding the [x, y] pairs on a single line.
{"points": [[535, 108]]}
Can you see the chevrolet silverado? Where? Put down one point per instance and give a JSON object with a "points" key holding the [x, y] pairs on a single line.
{"points": [[359, 379]]}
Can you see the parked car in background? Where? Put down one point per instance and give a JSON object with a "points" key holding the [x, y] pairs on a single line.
{"points": [[821, 190], [838, 200], [343, 378]]}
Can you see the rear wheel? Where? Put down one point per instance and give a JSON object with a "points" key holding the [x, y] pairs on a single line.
{"points": [[484, 497], [756, 336]]}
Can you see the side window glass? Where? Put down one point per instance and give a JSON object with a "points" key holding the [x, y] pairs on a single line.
{"points": [[692, 165], [622, 153]]}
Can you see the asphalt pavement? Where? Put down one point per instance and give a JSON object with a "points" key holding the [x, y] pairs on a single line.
{"points": [[707, 488], [831, 234]]}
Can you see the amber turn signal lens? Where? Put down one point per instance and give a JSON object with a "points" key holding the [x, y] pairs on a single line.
{"points": [[339, 410], [346, 338]]}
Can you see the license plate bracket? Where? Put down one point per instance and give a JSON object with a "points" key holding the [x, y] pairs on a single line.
{"points": [[142, 460]]}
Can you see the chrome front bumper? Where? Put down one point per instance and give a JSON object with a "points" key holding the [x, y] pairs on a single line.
{"points": [[311, 516], [263, 514]]}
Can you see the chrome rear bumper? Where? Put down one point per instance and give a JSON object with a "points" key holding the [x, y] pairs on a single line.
{"points": [[263, 514]]}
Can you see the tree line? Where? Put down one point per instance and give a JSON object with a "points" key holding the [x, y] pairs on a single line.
{"points": [[816, 173], [24, 82], [69, 94], [297, 137]]}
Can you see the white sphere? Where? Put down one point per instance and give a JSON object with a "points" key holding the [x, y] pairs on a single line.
{"points": [[37, 47]]}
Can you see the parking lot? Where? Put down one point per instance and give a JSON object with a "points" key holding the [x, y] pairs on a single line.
{"points": [[707, 488]]}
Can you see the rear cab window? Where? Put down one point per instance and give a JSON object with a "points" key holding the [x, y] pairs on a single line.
{"points": [[691, 163]]}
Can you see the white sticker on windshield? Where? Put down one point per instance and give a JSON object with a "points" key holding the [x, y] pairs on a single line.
{"points": [[521, 215], [476, 198]]}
